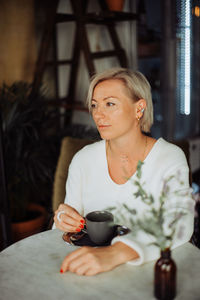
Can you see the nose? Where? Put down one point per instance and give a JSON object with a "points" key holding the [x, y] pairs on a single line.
{"points": [[98, 113]]}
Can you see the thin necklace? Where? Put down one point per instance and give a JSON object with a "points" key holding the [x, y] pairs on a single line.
{"points": [[125, 157]]}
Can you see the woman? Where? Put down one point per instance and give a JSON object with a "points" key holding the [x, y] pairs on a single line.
{"points": [[121, 106]]}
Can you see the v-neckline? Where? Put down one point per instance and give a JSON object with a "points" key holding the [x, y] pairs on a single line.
{"points": [[134, 174]]}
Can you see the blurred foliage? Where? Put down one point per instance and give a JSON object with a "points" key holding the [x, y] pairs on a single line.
{"points": [[30, 146], [159, 222]]}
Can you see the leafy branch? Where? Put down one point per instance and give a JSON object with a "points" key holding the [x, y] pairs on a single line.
{"points": [[153, 221]]}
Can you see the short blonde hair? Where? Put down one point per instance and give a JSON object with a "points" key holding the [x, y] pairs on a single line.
{"points": [[137, 87]]}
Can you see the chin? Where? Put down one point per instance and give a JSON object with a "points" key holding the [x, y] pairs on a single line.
{"points": [[106, 136]]}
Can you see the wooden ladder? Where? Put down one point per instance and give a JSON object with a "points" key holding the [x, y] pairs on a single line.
{"points": [[81, 43]]}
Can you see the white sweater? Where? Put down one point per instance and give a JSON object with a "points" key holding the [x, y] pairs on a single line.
{"points": [[89, 187]]}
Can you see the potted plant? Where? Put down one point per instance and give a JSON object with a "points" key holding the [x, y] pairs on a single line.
{"points": [[115, 5], [29, 156]]}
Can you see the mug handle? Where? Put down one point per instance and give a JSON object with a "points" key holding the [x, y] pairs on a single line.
{"points": [[121, 230], [84, 229]]}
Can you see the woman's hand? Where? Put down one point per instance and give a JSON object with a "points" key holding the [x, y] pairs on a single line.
{"points": [[91, 261], [70, 219]]}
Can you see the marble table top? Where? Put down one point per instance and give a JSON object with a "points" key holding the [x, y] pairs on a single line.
{"points": [[29, 270]]}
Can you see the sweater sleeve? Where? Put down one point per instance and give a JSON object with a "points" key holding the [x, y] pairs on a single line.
{"points": [[142, 242]]}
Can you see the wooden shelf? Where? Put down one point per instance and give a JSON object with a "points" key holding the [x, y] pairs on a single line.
{"points": [[98, 17], [63, 103]]}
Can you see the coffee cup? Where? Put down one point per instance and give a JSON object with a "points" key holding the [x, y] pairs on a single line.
{"points": [[101, 228]]}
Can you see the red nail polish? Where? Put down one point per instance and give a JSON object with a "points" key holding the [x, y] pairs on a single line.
{"points": [[81, 226], [78, 229], [82, 221], [61, 270]]}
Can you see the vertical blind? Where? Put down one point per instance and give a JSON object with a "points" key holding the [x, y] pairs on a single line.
{"points": [[184, 35]]}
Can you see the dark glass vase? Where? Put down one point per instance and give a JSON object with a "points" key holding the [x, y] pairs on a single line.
{"points": [[165, 277]]}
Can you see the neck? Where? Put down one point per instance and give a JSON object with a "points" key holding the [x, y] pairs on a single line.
{"points": [[135, 149]]}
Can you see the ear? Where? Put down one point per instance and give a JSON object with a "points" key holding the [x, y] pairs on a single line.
{"points": [[140, 107]]}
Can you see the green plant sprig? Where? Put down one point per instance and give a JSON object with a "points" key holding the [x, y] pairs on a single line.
{"points": [[153, 220]]}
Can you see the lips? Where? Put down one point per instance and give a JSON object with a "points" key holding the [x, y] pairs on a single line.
{"points": [[103, 126]]}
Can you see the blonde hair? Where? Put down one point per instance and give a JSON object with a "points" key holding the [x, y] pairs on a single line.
{"points": [[137, 86]]}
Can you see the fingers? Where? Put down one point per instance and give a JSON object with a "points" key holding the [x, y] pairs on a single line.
{"points": [[70, 219], [81, 262], [68, 224], [77, 254], [82, 270], [68, 228], [70, 211], [78, 266]]}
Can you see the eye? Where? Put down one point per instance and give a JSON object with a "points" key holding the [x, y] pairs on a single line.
{"points": [[93, 105], [110, 103]]}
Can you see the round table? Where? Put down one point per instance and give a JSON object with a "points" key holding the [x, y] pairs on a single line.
{"points": [[29, 270]]}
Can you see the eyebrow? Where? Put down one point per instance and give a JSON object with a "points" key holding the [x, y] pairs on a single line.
{"points": [[114, 97]]}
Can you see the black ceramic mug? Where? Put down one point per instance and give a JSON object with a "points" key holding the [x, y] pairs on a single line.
{"points": [[101, 228]]}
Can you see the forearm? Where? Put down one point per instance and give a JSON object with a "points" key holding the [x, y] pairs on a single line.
{"points": [[123, 253]]}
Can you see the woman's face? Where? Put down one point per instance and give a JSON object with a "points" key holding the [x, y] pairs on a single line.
{"points": [[113, 111]]}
